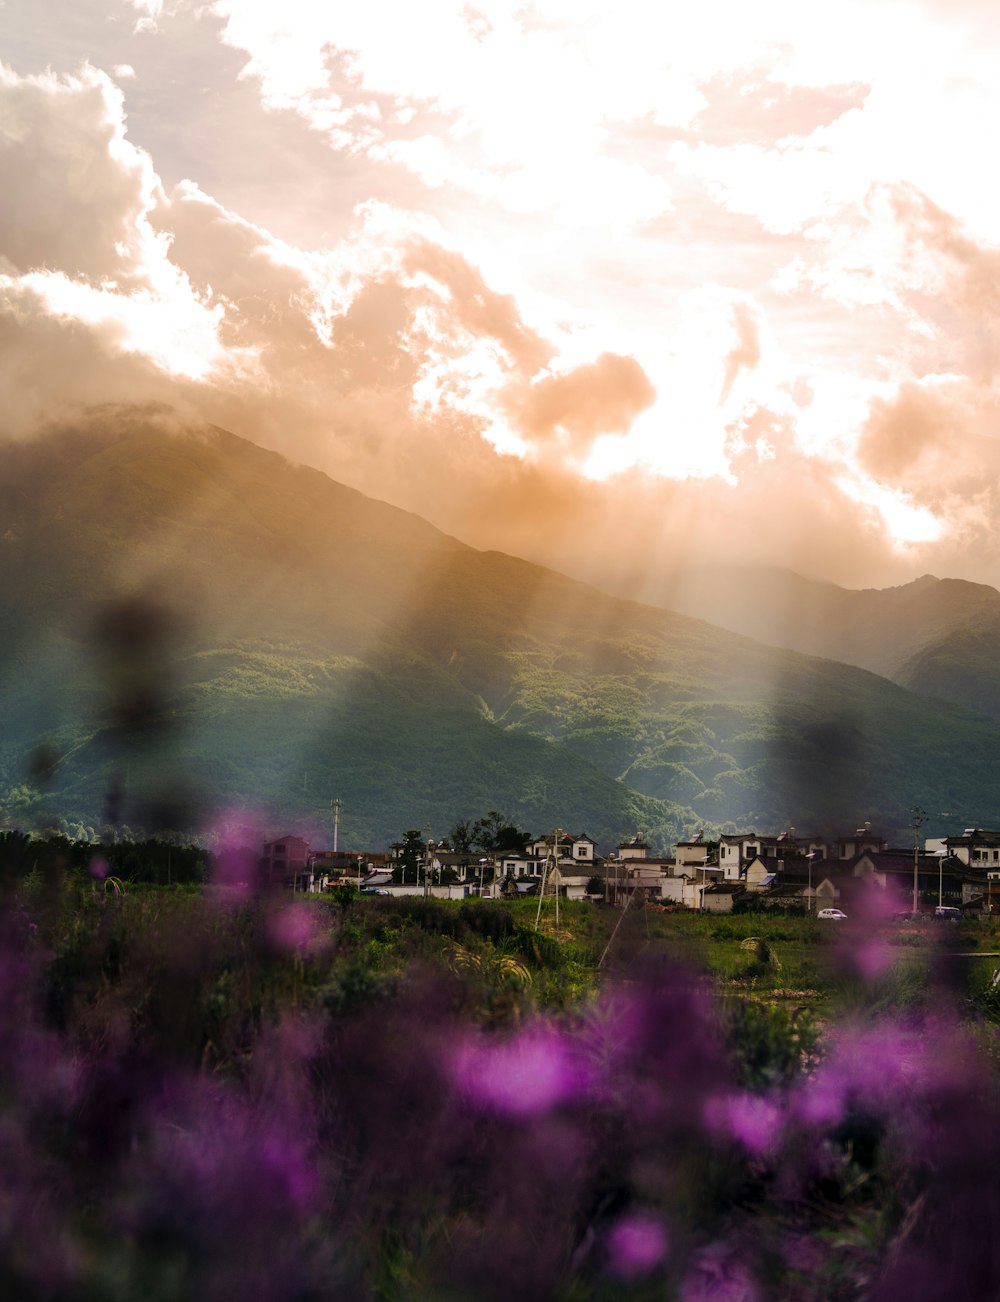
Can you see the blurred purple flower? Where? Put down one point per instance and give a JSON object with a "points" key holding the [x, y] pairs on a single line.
{"points": [[238, 838], [872, 958], [530, 1073], [294, 926], [98, 868], [636, 1245], [230, 1159], [749, 1118]]}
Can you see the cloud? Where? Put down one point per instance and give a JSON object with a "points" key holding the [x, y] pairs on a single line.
{"points": [[602, 397], [583, 277], [745, 353], [935, 439], [764, 109], [76, 193], [476, 308], [905, 435], [964, 275], [52, 367]]}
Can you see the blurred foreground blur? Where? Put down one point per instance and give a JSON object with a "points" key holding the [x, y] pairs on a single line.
{"points": [[215, 1092]]}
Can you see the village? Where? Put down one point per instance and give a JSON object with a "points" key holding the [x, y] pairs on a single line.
{"points": [[789, 871]]}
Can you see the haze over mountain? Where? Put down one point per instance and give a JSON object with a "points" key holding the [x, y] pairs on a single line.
{"points": [[194, 622], [938, 637]]}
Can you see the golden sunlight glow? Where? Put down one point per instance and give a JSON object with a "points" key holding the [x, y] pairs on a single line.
{"points": [[607, 242], [182, 341], [906, 522]]}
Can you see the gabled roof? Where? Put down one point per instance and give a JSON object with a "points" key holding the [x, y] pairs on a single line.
{"points": [[787, 890], [975, 836]]}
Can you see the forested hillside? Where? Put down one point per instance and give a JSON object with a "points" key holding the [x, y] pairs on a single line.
{"points": [[194, 624]]}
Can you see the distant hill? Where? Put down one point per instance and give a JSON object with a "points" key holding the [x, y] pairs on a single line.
{"points": [[938, 637], [193, 623]]}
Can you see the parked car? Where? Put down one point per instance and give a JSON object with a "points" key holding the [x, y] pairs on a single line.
{"points": [[832, 915], [948, 914]]}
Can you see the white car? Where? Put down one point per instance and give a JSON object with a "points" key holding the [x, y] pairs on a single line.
{"points": [[835, 915]]}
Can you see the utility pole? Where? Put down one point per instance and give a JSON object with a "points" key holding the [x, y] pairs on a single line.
{"points": [[554, 856], [918, 818], [336, 806], [940, 879]]}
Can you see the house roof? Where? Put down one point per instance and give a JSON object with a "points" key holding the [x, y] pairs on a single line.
{"points": [[798, 879], [901, 861], [786, 890]]}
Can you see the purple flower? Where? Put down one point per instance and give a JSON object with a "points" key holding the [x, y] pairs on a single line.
{"points": [[293, 927], [872, 958], [530, 1073], [236, 865], [749, 1118], [636, 1245]]}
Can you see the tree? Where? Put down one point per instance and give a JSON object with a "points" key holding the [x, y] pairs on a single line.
{"points": [[460, 838], [496, 833], [410, 859], [344, 896], [595, 886]]}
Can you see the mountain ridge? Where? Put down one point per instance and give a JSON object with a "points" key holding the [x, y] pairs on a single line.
{"points": [[199, 623], [934, 636]]}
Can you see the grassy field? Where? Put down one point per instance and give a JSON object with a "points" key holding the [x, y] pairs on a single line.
{"points": [[825, 965]]}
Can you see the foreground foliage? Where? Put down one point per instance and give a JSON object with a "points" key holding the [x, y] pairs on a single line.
{"points": [[219, 1093]]}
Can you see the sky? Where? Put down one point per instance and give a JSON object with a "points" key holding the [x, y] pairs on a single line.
{"points": [[625, 289]]}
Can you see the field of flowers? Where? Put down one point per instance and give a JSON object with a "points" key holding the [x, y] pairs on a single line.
{"points": [[216, 1093]]}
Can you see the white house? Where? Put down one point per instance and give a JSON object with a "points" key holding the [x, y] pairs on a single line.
{"points": [[579, 849]]}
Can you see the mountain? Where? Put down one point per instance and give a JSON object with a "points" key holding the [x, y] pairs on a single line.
{"points": [[193, 624], [938, 637]]}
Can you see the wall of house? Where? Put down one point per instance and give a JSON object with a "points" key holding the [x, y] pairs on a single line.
{"points": [[722, 903]]}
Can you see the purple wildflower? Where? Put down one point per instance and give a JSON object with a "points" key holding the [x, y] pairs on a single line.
{"points": [[636, 1245], [751, 1119], [530, 1073]]}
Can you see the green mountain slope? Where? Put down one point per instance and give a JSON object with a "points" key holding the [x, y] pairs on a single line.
{"points": [[194, 623]]}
